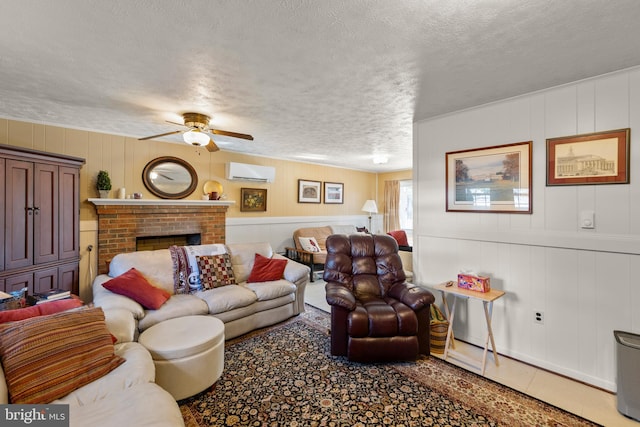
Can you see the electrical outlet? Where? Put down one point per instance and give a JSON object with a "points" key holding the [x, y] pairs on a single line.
{"points": [[538, 317]]}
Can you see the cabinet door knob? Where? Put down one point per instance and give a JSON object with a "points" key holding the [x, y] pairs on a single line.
{"points": [[36, 210], [28, 209]]}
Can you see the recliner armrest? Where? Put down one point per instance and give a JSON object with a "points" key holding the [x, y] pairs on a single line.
{"points": [[340, 296], [411, 295]]}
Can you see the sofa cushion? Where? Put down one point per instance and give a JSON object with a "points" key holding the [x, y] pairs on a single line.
{"points": [[243, 256], [309, 244], [176, 306], [47, 357], [134, 285], [145, 405], [137, 369], [215, 271], [227, 298], [266, 269], [273, 289], [39, 310], [155, 265]]}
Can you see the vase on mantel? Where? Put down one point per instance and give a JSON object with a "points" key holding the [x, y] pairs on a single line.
{"points": [[104, 194]]}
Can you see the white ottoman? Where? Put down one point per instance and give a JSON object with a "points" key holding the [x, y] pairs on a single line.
{"points": [[188, 353]]}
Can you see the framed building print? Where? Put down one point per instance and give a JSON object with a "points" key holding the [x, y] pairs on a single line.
{"points": [[253, 200], [493, 179], [333, 192], [308, 191], [594, 158]]}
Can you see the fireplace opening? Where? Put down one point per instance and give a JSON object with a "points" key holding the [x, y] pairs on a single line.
{"points": [[152, 243]]}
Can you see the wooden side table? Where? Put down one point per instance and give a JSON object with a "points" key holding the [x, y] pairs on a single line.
{"points": [[487, 299]]}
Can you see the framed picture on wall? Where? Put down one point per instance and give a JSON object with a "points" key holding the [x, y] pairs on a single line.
{"points": [[594, 158], [333, 192], [492, 179], [253, 200], [308, 191]]}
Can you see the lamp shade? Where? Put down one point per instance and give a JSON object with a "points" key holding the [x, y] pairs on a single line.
{"points": [[196, 137], [370, 206]]}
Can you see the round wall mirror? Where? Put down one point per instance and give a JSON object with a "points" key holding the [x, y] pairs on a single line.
{"points": [[170, 178]]}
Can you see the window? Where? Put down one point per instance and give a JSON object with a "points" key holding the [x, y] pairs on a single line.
{"points": [[406, 208]]}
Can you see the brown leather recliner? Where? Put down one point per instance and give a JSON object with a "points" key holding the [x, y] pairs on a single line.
{"points": [[375, 315]]}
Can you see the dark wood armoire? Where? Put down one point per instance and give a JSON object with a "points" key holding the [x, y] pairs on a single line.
{"points": [[39, 220]]}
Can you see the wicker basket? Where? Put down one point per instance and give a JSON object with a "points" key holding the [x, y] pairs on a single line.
{"points": [[439, 328]]}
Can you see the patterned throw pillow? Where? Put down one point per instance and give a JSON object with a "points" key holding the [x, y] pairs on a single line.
{"points": [[309, 244], [215, 271], [47, 357]]}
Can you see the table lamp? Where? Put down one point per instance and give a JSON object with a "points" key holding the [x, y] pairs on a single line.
{"points": [[371, 207]]}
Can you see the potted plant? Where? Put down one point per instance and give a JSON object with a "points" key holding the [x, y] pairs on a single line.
{"points": [[103, 184]]}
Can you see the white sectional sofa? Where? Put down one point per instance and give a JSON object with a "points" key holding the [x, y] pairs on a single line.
{"points": [[242, 307], [126, 396]]}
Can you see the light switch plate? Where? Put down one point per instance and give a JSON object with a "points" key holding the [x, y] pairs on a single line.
{"points": [[587, 219]]}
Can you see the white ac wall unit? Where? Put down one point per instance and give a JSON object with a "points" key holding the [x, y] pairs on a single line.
{"points": [[246, 172]]}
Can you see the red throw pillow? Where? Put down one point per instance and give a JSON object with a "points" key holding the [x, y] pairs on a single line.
{"points": [[266, 269], [19, 314], [400, 236], [134, 285], [39, 310]]}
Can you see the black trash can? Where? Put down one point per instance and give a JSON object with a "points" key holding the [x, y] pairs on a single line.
{"points": [[628, 375]]}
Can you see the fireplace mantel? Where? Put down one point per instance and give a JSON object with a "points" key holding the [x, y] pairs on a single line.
{"points": [[160, 202], [122, 221]]}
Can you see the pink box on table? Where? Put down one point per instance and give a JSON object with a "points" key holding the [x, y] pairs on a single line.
{"points": [[474, 283]]}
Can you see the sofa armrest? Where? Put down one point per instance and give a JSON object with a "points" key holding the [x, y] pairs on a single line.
{"points": [[121, 324], [411, 295], [294, 271], [108, 300], [338, 295], [297, 274]]}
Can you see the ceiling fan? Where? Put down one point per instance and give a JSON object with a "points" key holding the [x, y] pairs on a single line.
{"points": [[199, 133]]}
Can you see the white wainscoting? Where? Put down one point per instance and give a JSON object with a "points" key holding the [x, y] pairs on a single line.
{"points": [[278, 231], [582, 279]]}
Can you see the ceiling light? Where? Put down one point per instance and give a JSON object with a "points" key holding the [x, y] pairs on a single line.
{"points": [[196, 137], [380, 160]]}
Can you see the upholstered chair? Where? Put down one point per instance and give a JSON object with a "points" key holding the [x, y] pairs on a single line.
{"points": [[376, 316]]}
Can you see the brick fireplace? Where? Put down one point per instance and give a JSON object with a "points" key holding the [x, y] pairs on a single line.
{"points": [[122, 222]]}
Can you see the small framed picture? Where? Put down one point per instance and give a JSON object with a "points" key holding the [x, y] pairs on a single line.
{"points": [[594, 158], [333, 192], [308, 191], [253, 200]]}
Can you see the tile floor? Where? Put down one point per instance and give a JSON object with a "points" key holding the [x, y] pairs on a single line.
{"points": [[588, 402]]}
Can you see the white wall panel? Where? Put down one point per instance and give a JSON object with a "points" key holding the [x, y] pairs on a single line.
{"points": [[612, 102], [581, 279], [585, 107]]}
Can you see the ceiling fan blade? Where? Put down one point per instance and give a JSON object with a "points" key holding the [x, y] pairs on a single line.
{"points": [[233, 134], [158, 136], [211, 146], [174, 123]]}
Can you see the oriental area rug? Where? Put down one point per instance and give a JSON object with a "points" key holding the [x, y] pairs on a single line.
{"points": [[285, 376]]}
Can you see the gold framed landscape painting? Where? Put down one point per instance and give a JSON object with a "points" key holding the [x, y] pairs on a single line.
{"points": [[492, 179], [593, 158]]}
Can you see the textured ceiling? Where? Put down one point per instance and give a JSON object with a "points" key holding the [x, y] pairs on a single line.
{"points": [[327, 81]]}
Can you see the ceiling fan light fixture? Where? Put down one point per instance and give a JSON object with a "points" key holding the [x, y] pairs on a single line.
{"points": [[196, 137]]}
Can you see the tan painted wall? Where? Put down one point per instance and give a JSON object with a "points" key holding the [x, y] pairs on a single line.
{"points": [[125, 158]]}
